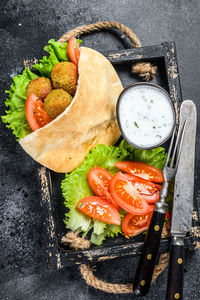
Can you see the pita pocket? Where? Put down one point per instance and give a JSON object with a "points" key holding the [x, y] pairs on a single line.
{"points": [[89, 120]]}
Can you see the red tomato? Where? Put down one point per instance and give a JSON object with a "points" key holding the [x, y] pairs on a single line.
{"points": [[35, 114], [73, 50], [99, 209], [167, 215], [147, 190], [133, 225], [152, 206], [126, 195], [141, 170], [99, 181]]}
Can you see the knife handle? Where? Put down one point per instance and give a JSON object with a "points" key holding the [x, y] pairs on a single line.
{"points": [[176, 269], [145, 268]]}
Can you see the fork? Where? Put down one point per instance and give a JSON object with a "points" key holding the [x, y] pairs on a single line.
{"points": [[145, 268]]}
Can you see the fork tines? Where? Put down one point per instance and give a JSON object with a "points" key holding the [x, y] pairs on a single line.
{"points": [[177, 147]]}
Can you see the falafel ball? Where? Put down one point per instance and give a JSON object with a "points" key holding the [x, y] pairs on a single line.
{"points": [[56, 102], [40, 86], [64, 75]]}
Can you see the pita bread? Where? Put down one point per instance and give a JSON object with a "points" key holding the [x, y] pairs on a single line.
{"points": [[89, 120]]}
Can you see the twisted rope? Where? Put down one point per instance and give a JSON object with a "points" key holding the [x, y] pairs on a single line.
{"points": [[115, 288], [100, 26], [75, 241], [144, 69]]}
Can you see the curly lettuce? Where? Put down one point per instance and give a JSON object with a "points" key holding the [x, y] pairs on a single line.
{"points": [[57, 53], [15, 117], [155, 157], [75, 186]]}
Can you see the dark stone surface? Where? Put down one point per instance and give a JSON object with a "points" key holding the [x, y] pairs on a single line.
{"points": [[25, 27]]}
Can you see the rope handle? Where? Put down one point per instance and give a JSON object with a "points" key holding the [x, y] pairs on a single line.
{"points": [[75, 242], [144, 69], [116, 288], [100, 26]]}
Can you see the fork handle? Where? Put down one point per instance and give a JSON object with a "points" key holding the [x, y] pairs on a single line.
{"points": [[145, 268]]}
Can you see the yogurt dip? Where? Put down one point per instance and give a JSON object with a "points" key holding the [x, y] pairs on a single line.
{"points": [[145, 115]]}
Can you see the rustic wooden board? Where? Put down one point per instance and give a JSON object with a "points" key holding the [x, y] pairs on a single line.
{"points": [[164, 56]]}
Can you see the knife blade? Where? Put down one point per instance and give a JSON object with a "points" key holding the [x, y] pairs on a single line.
{"points": [[182, 202], [184, 180]]}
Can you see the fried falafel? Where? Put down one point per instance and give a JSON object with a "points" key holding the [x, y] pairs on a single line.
{"points": [[56, 102], [64, 75], [40, 86]]}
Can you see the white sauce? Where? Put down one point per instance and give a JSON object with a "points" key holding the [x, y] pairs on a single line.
{"points": [[146, 115]]}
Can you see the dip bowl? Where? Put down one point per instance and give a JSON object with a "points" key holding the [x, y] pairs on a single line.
{"points": [[144, 87]]}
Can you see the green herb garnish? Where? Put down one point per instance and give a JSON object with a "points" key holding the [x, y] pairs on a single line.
{"points": [[144, 98], [136, 124]]}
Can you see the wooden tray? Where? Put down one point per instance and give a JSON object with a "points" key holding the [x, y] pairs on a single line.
{"points": [[164, 57]]}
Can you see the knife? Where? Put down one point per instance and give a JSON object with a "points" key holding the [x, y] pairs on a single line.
{"points": [[182, 204]]}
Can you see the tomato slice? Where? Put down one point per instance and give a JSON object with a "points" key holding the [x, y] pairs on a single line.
{"points": [[73, 50], [126, 195], [133, 225], [151, 207], [147, 190], [99, 181], [141, 170], [167, 215], [36, 116], [99, 209]]}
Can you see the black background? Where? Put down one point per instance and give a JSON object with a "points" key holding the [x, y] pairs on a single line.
{"points": [[25, 27]]}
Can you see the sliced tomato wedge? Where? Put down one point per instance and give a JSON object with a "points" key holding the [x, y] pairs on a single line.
{"points": [[167, 216], [147, 190], [141, 170], [99, 181], [36, 116], [133, 225], [126, 195], [73, 50], [99, 209], [152, 207]]}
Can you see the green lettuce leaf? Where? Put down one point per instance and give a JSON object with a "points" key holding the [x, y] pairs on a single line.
{"points": [[155, 157], [99, 227], [15, 117], [57, 52], [97, 239], [75, 186]]}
